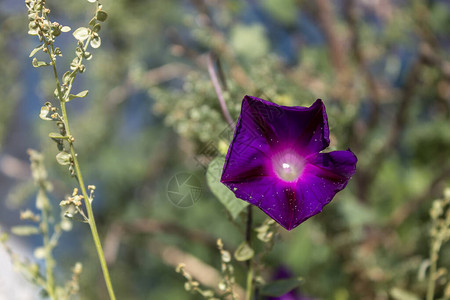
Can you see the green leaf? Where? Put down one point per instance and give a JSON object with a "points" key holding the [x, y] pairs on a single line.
{"points": [[66, 225], [33, 29], [57, 136], [63, 158], [35, 50], [225, 196], [66, 77], [39, 252], [96, 28], [81, 33], [45, 110], [66, 29], [244, 252], [87, 55], [96, 42], [102, 16], [280, 287], [38, 64], [25, 230], [41, 197], [400, 294], [79, 95]]}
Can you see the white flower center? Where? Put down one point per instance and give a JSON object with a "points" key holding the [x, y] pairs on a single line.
{"points": [[288, 165]]}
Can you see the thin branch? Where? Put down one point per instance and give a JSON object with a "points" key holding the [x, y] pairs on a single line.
{"points": [[373, 88], [327, 20], [248, 230], [219, 93], [248, 239]]}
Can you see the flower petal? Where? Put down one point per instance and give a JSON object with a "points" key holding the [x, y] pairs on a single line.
{"points": [[270, 194], [292, 203], [324, 175], [305, 128], [274, 162], [249, 150]]}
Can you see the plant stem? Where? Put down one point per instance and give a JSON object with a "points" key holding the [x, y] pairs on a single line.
{"points": [[431, 278], [49, 262], [219, 93], [249, 293], [87, 202], [248, 238]]}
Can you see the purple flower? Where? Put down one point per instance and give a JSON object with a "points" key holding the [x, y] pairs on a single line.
{"points": [[274, 160]]}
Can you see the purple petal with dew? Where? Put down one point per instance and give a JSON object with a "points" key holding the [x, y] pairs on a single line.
{"points": [[324, 175], [305, 128], [274, 162], [270, 194], [291, 203], [248, 152]]}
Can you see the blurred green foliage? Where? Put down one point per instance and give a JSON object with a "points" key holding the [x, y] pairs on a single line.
{"points": [[381, 67]]}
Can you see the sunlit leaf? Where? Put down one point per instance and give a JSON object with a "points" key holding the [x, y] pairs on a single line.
{"points": [[79, 95], [38, 64], [35, 50], [244, 252], [65, 29], [45, 110], [63, 158], [57, 136], [96, 42], [39, 252], [81, 33]]}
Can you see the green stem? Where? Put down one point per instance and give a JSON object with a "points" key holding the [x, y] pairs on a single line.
{"points": [[248, 238], [431, 278], [49, 262], [91, 219], [249, 293]]}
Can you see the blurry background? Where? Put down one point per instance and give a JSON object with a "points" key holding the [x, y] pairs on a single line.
{"points": [[382, 68]]}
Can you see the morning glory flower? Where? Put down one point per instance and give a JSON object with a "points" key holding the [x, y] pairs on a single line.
{"points": [[274, 160]]}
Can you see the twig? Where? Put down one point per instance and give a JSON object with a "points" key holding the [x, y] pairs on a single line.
{"points": [[218, 89], [327, 21], [374, 92], [248, 239], [248, 229]]}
